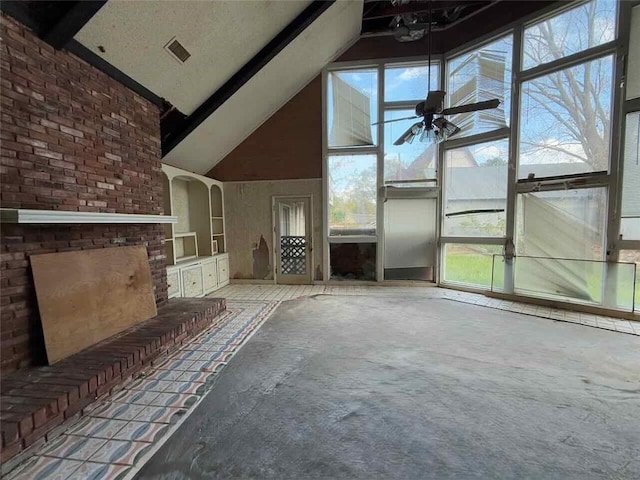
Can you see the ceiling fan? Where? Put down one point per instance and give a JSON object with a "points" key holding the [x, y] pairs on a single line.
{"points": [[434, 105], [440, 126]]}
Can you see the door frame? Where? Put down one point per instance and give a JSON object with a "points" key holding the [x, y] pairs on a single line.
{"points": [[308, 279]]}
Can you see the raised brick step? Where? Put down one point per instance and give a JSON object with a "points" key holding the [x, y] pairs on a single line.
{"points": [[36, 400]]}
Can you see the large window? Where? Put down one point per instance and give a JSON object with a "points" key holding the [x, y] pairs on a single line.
{"points": [[408, 82], [479, 75], [565, 121], [630, 222], [352, 195], [470, 264], [586, 26], [352, 108], [475, 190], [539, 196], [475, 176], [562, 224], [413, 163], [408, 164]]}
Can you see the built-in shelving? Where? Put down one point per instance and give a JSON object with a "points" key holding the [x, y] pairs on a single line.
{"points": [[217, 219], [185, 258], [185, 234], [197, 203]]}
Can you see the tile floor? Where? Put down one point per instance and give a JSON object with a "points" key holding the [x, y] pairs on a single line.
{"points": [[118, 435]]}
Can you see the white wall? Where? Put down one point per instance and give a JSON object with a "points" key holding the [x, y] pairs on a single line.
{"points": [[248, 215]]}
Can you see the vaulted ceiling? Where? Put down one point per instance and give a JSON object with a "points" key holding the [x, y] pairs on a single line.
{"points": [[244, 59], [221, 38]]}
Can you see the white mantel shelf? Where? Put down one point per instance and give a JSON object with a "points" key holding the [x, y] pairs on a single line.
{"points": [[19, 215]]}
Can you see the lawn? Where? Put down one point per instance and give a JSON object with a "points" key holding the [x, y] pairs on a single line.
{"points": [[463, 265]]}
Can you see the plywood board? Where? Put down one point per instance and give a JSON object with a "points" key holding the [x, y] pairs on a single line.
{"points": [[89, 295]]}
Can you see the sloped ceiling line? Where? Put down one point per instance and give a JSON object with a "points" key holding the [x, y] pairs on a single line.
{"points": [[245, 73], [76, 17], [59, 26], [55, 22], [101, 64]]}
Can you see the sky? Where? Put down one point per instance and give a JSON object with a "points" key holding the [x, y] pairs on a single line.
{"points": [[408, 83]]}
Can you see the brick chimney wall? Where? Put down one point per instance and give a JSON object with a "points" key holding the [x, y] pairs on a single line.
{"points": [[72, 138]]}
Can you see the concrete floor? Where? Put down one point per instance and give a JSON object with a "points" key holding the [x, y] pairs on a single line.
{"points": [[369, 387]]}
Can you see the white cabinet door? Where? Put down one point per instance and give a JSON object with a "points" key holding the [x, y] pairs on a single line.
{"points": [[223, 270], [210, 276], [173, 282], [192, 285]]}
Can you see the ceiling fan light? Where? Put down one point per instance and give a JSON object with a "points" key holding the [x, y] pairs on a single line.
{"points": [[445, 128], [451, 129]]}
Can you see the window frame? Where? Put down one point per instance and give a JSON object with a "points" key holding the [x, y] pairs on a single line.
{"points": [[612, 178], [378, 150]]}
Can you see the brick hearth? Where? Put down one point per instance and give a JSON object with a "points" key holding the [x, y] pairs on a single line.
{"points": [[37, 400]]}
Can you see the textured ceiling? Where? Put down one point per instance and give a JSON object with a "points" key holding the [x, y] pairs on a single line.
{"points": [[294, 67], [220, 35]]}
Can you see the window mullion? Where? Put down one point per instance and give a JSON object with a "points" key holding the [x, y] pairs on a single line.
{"points": [[569, 61], [512, 173]]}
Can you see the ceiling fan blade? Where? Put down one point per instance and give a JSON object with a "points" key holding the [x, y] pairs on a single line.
{"points": [[396, 120], [409, 134], [435, 101], [472, 107]]}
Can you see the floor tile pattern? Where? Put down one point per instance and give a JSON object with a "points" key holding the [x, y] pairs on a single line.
{"points": [[109, 442], [588, 319], [112, 440]]}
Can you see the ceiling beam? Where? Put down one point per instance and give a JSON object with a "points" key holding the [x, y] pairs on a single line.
{"points": [[420, 7], [242, 76], [101, 64], [63, 31]]}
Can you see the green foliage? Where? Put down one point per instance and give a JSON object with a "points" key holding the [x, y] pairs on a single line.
{"points": [[471, 268]]}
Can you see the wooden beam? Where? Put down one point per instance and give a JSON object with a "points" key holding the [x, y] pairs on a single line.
{"points": [[242, 76], [63, 31]]}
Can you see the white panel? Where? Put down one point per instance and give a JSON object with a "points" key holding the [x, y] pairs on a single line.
{"points": [[223, 270], [410, 233], [192, 281], [294, 67], [181, 205], [173, 283], [221, 37], [210, 275], [633, 68]]}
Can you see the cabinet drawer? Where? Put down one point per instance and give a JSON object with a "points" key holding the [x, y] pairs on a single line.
{"points": [[210, 276], [192, 281], [223, 270], [173, 283]]}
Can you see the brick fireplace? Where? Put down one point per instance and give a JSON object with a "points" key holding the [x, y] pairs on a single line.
{"points": [[72, 139]]}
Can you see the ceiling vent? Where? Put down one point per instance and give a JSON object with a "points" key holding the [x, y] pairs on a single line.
{"points": [[177, 51]]}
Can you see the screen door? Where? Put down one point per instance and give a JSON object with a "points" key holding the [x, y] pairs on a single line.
{"points": [[292, 240]]}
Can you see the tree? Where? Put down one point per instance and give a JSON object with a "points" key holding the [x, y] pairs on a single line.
{"points": [[352, 192], [568, 112]]}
